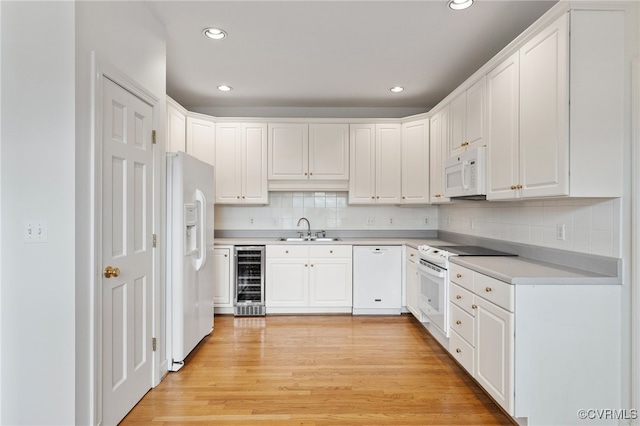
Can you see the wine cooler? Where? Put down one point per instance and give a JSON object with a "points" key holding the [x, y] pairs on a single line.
{"points": [[249, 271]]}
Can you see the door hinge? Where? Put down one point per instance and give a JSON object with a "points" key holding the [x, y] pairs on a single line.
{"points": [[153, 137], [155, 240], [153, 344]]}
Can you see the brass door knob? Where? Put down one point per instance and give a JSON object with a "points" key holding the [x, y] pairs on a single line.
{"points": [[111, 272]]}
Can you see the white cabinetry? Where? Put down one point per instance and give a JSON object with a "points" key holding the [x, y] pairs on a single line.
{"points": [[468, 119], [375, 164], [223, 279], [308, 156], [438, 147], [555, 111], [412, 294], [415, 162], [241, 163], [176, 127], [308, 278], [201, 134], [529, 345]]}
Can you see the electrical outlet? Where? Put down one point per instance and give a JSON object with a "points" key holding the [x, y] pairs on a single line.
{"points": [[36, 231], [562, 232], [471, 224], [426, 220], [275, 221], [449, 221], [390, 221], [251, 221], [371, 221]]}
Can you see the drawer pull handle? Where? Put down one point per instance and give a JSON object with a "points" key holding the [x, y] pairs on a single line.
{"points": [[458, 297], [474, 306], [488, 289], [458, 275], [458, 350], [286, 251], [458, 322], [330, 251]]}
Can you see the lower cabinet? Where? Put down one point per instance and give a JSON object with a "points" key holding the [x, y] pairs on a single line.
{"points": [[223, 288], [308, 278], [411, 283], [543, 352]]}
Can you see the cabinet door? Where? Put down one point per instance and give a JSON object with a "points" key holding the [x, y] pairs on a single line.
{"points": [[439, 137], [503, 130], [494, 352], [287, 283], [330, 282], [176, 127], [544, 113], [329, 151], [254, 164], [458, 123], [388, 163], [415, 162], [228, 167], [413, 295], [288, 151], [362, 163], [201, 134], [222, 283], [475, 122]]}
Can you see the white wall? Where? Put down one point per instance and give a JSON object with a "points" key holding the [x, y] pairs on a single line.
{"points": [[325, 211], [127, 37], [37, 165]]}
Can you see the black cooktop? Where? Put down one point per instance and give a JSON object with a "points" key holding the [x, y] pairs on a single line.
{"points": [[474, 251]]}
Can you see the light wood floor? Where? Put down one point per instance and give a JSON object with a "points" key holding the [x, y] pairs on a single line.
{"points": [[318, 370]]}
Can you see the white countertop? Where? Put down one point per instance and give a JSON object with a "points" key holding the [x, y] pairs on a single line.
{"points": [[512, 270]]}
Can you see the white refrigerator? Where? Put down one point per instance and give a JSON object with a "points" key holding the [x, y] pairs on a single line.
{"points": [[189, 275]]}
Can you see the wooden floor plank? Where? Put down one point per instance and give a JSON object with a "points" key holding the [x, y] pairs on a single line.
{"points": [[318, 370]]}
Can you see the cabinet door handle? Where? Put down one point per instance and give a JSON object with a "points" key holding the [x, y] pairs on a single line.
{"points": [[331, 251], [305, 265], [474, 306], [458, 350], [458, 275], [513, 187], [225, 255], [458, 322], [286, 251], [312, 265], [464, 144], [458, 297], [518, 186], [488, 289]]}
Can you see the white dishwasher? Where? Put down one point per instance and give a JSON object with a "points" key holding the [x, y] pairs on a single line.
{"points": [[377, 280]]}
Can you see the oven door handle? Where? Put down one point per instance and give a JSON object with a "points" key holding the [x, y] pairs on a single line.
{"points": [[428, 271]]}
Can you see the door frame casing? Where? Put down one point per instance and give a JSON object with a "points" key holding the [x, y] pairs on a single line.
{"points": [[100, 71]]}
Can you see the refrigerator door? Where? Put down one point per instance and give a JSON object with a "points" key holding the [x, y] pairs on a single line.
{"points": [[190, 196]]}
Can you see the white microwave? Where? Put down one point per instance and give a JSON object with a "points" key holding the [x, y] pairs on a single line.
{"points": [[465, 175]]}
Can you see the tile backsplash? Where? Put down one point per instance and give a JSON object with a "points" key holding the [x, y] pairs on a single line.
{"points": [[325, 211], [588, 225]]}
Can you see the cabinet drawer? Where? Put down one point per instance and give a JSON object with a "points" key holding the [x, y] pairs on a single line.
{"points": [[412, 255], [341, 251], [461, 297], [495, 291], [287, 251], [461, 351], [461, 276], [462, 323]]}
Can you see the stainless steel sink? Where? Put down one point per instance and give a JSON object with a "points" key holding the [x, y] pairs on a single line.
{"points": [[309, 239]]}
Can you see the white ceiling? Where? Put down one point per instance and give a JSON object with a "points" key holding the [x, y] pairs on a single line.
{"points": [[332, 54]]}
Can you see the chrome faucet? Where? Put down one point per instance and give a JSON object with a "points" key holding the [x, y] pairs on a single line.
{"points": [[308, 225]]}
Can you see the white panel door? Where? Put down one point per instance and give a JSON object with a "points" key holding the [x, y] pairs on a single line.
{"points": [[330, 282], [415, 162], [222, 276], [288, 146], [544, 113], [438, 145], [329, 151], [126, 245], [228, 168], [176, 128], [503, 129], [388, 163], [287, 283], [254, 164], [362, 163], [201, 135], [458, 109]]}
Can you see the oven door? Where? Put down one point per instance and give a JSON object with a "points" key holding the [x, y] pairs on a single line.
{"points": [[432, 283]]}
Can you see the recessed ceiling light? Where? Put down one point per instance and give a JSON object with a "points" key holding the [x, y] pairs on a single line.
{"points": [[460, 4], [224, 88], [397, 89], [214, 33]]}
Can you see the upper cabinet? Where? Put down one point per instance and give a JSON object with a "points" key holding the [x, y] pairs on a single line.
{"points": [[308, 156], [241, 163], [555, 112], [415, 162], [468, 119], [201, 134], [176, 127], [375, 164], [438, 149]]}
